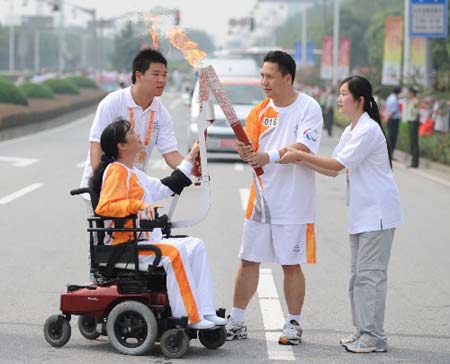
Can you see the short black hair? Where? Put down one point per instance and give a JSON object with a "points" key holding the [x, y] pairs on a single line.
{"points": [[285, 62], [397, 90], [143, 60]]}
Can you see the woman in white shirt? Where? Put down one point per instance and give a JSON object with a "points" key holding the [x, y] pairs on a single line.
{"points": [[374, 208]]}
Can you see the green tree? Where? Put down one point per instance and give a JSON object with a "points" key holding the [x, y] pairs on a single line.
{"points": [[126, 45]]}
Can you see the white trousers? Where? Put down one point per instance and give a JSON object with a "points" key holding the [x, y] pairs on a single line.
{"points": [[189, 283]]}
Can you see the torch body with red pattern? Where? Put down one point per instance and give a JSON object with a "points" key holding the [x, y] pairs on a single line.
{"points": [[208, 80]]}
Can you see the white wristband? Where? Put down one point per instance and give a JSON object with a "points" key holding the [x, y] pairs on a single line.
{"points": [[274, 155]]}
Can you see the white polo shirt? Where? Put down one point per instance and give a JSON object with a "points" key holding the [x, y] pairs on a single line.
{"points": [[153, 131], [374, 200], [285, 193]]}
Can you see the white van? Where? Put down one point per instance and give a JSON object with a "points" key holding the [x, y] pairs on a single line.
{"points": [[234, 67]]}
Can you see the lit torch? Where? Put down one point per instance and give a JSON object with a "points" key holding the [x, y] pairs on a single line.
{"points": [[208, 80]]}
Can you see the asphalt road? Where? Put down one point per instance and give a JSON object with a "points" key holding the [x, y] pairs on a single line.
{"points": [[44, 247]]}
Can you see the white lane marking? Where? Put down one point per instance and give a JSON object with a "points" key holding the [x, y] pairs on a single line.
{"points": [[276, 351], [269, 303], [18, 162], [238, 167], [81, 164], [245, 193], [7, 199], [273, 317], [174, 104]]}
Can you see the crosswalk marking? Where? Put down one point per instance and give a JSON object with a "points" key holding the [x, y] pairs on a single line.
{"points": [[7, 199]]}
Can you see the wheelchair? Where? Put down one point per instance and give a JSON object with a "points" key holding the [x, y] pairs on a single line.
{"points": [[126, 303]]}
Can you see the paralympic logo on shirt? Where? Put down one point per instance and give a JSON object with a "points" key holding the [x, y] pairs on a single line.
{"points": [[311, 134]]}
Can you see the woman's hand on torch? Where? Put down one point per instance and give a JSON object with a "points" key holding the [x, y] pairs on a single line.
{"points": [[291, 155], [258, 159]]}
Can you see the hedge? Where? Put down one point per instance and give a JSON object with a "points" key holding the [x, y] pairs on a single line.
{"points": [[83, 82], [10, 94], [62, 86], [435, 147], [37, 91]]}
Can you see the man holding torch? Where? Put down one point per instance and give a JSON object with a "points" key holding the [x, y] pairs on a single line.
{"points": [[279, 222], [140, 104]]}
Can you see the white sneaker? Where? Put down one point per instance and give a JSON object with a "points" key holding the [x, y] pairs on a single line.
{"points": [[202, 325], [292, 334], [235, 329], [349, 340], [361, 346], [218, 321]]}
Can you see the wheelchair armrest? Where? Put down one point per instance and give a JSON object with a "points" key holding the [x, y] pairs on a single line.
{"points": [[161, 222], [153, 248], [118, 221]]}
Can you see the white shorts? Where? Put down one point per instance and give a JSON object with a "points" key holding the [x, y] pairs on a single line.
{"points": [[282, 244]]}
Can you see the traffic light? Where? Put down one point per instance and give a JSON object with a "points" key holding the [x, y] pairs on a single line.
{"points": [[177, 17]]}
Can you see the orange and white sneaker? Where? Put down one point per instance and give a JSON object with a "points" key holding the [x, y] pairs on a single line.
{"points": [[292, 334]]}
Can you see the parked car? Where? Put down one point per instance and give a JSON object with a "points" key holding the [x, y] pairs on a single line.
{"points": [[244, 93]]}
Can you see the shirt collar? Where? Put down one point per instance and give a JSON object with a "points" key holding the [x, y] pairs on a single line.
{"points": [[131, 103], [361, 121]]}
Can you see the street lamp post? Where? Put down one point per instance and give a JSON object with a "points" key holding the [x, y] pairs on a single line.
{"points": [[11, 36], [406, 44], [60, 4], [336, 22], [304, 36]]}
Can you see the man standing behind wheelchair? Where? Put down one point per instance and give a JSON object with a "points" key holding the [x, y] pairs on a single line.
{"points": [[125, 190], [142, 106]]}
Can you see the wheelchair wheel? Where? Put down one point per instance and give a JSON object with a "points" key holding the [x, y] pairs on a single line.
{"points": [[132, 328], [213, 338], [57, 330], [88, 327], [174, 343]]}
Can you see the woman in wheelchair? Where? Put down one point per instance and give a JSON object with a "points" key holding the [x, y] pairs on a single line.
{"points": [[125, 190]]}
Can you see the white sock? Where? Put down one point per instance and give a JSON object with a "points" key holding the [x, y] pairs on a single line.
{"points": [[237, 314], [293, 317]]}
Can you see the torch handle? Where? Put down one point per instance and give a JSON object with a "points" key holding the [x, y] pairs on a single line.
{"points": [[242, 137], [196, 170]]}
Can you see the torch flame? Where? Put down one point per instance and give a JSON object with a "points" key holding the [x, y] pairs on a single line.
{"points": [[179, 39]]}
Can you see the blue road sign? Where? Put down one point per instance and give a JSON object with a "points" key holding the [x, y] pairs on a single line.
{"points": [[428, 18]]}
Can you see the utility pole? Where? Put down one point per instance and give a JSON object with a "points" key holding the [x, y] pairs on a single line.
{"points": [[304, 36], [336, 21], [61, 37], [11, 36], [37, 65], [406, 44]]}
